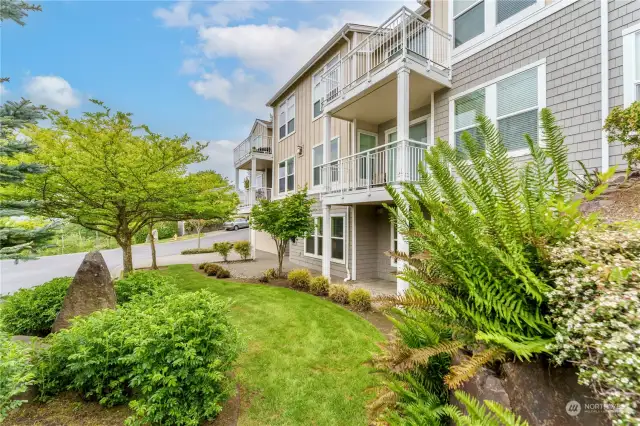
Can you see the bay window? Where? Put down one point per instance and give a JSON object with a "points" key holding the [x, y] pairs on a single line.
{"points": [[286, 175], [512, 102], [287, 117]]}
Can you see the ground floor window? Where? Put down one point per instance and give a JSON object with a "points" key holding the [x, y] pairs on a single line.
{"points": [[337, 238], [394, 244], [313, 242]]}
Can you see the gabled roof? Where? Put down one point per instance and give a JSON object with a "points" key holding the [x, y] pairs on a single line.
{"points": [[267, 123], [318, 55]]}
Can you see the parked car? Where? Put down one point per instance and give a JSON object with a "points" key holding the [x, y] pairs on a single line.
{"points": [[236, 224]]}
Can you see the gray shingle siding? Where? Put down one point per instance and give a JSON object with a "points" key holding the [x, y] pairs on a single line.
{"points": [[569, 40]]}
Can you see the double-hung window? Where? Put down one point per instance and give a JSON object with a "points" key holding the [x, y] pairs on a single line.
{"points": [[286, 175], [466, 109], [322, 86], [287, 117], [313, 242], [337, 238], [474, 17], [512, 103], [631, 65], [317, 159]]}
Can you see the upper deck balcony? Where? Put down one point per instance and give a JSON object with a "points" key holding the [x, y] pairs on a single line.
{"points": [[255, 146], [362, 85]]}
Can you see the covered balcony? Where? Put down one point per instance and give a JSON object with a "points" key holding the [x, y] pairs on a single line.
{"points": [[255, 147], [251, 197], [364, 83], [361, 177]]}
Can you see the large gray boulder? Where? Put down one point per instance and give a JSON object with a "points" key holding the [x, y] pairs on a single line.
{"points": [[91, 290]]}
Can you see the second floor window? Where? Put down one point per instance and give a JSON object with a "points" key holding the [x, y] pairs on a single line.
{"points": [[318, 160], [466, 109], [320, 86], [287, 117], [286, 176]]}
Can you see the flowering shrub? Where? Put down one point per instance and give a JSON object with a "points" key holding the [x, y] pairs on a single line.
{"points": [[596, 310]]}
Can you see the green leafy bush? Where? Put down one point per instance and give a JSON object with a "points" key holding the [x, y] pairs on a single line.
{"points": [[32, 311], [15, 373], [198, 251], [596, 310], [203, 265], [243, 248], [169, 356], [223, 273], [271, 273], [223, 248], [166, 230], [360, 299], [319, 286], [299, 278], [623, 125], [143, 283], [339, 293], [212, 269]]}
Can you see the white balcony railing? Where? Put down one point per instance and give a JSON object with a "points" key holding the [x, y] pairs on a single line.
{"points": [[251, 197], [404, 34], [252, 144], [386, 164]]}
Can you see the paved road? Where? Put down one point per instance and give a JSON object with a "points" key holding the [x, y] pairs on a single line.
{"points": [[34, 272]]}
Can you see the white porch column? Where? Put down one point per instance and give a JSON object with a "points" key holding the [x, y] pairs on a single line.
{"points": [[326, 241], [254, 175], [403, 123], [237, 179], [326, 147], [403, 247]]}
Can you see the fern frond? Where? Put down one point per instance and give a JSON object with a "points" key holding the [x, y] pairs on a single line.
{"points": [[524, 349], [557, 152], [469, 367], [421, 356], [505, 416]]}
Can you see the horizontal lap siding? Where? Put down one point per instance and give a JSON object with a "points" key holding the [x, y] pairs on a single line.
{"points": [[622, 14], [570, 42]]}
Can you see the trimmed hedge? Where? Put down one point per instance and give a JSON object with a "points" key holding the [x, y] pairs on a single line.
{"points": [[319, 286], [198, 250], [32, 311], [300, 279], [360, 299], [168, 356]]}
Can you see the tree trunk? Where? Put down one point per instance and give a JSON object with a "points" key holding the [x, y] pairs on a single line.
{"points": [[280, 248], [127, 253], [154, 264]]}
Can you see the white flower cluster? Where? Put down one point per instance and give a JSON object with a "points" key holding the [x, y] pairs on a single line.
{"points": [[596, 310]]}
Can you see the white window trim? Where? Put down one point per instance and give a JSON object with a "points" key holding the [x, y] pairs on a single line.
{"points": [[321, 71], [508, 27], [628, 64], [344, 238], [315, 239], [319, 186], [491, 102], [284, 106], [364, 132], [425, 118], [284, 160]]}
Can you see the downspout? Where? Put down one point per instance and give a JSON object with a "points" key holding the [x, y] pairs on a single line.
{"points": [[604, 72], [346, 246]]}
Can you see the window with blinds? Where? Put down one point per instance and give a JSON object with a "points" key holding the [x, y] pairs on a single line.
{"points": [[517, 109], [466, 109], [507, 8], [467, 22]]}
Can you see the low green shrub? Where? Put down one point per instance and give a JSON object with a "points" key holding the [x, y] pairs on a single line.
{"points": [[203, 265], [32, 311], [15, 373], [223, 273], [143, 283], [339, 293], [271, 273], [223, 248], [360, 299], [595, 308], [198, 250], [169, 356], [300, 279], [319, 286], [212, 269], [243, 248]]}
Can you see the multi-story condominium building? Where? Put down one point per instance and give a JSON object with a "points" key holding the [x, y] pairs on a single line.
{"points": [[360, 114]]}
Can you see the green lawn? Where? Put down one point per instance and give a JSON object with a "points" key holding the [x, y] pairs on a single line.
{"points": [[304, 358]]}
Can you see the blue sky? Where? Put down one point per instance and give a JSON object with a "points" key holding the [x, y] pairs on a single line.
{"points": [[201, 68]]}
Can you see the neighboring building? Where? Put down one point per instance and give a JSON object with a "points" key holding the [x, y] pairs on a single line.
{"points": [[363, 110]]}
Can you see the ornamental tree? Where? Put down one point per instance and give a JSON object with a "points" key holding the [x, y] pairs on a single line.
{"points": [[284, 219], [623, 125], [108, 175]]}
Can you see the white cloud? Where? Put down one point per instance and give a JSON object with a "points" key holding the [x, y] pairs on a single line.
{"points": [[221, 13], [220, 159], [191, 66], [52, 91], [241, 90], [213, 86]]}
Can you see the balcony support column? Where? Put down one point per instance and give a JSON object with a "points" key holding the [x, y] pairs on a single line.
{"points": [[403, 123], [403, 247], [237, 180], [326, 148], [326, 241]]}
